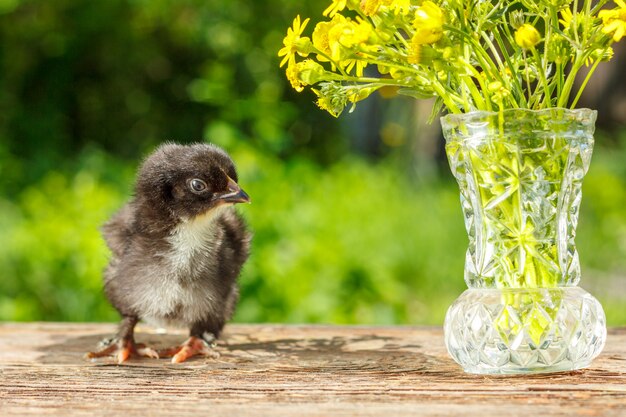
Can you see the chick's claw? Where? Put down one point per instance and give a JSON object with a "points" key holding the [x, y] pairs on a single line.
{"points": [[122, 350], [193, 346], [146, 352]]}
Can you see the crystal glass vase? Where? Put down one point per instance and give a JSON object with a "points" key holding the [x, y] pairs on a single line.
{"points": [[520, 174]]}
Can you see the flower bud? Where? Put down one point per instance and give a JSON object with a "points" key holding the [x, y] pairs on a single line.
{"points": [[303, 46], [494, 86], [527, 36], [310, 72], [603, 54], [517, 19]]}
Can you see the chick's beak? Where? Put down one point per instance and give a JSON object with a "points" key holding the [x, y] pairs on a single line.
{"points": [[234, 194]]}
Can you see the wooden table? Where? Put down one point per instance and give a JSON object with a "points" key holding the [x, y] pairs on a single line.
{"points": [[277, 370]]}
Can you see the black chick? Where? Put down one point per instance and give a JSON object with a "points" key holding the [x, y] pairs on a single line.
{"points": [[177, 249]]}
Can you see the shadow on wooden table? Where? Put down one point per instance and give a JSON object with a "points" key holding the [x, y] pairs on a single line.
{"points": [[358, 352]]}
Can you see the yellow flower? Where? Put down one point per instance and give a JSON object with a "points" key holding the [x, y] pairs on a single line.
{"points": [[293, 76], [337, 39], [402, 6], [339, 26], [344, 34], [614, 21], [370, 7], [307, 72], [320, 38], [566, 18], [357, 64], [356, 33], [428, 23], [527, 36], [335, 7], [294, 43], [574, 20]]}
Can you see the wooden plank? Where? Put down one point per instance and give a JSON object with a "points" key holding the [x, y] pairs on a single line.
{"points": [[277, 370]]}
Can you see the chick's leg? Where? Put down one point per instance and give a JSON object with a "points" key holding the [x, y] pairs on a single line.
{"points": [[200, 342], [193, 346], [123, 345]]}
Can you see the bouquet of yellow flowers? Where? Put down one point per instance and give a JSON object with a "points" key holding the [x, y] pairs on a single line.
{"points": [[469, 55]]}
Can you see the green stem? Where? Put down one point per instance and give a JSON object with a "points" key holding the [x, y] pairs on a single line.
{"points": [[483, 57], [481, 103], [507, 59], [584, 84], [597, 7], [371, 80], [330, 59], [492, 48], [445, 97], [528, 89], [489, 67], [542, 77], [569, 82]]}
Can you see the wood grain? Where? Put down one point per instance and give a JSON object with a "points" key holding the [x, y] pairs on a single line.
{"points": [[277, 370]]}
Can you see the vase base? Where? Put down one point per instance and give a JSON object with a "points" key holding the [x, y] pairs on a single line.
{"points": [[521, 331], [512, 370]]}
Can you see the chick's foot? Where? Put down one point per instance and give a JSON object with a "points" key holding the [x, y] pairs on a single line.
{"points": [[122, 349], [191, 347]]}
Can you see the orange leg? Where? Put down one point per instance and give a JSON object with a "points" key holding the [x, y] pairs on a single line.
{"points": [[191, 347], [123, 349], [123, 346]]}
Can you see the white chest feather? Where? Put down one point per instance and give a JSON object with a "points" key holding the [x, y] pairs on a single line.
{"points": [[192, 238], [173, 299]]}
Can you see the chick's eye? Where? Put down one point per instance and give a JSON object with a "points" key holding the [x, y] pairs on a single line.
{"points": [[197, 185]]}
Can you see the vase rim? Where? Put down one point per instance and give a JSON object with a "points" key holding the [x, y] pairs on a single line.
{"points": [[454, 118]]}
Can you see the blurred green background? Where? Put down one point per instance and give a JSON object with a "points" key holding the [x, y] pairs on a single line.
{"points": [[356, 220]]}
